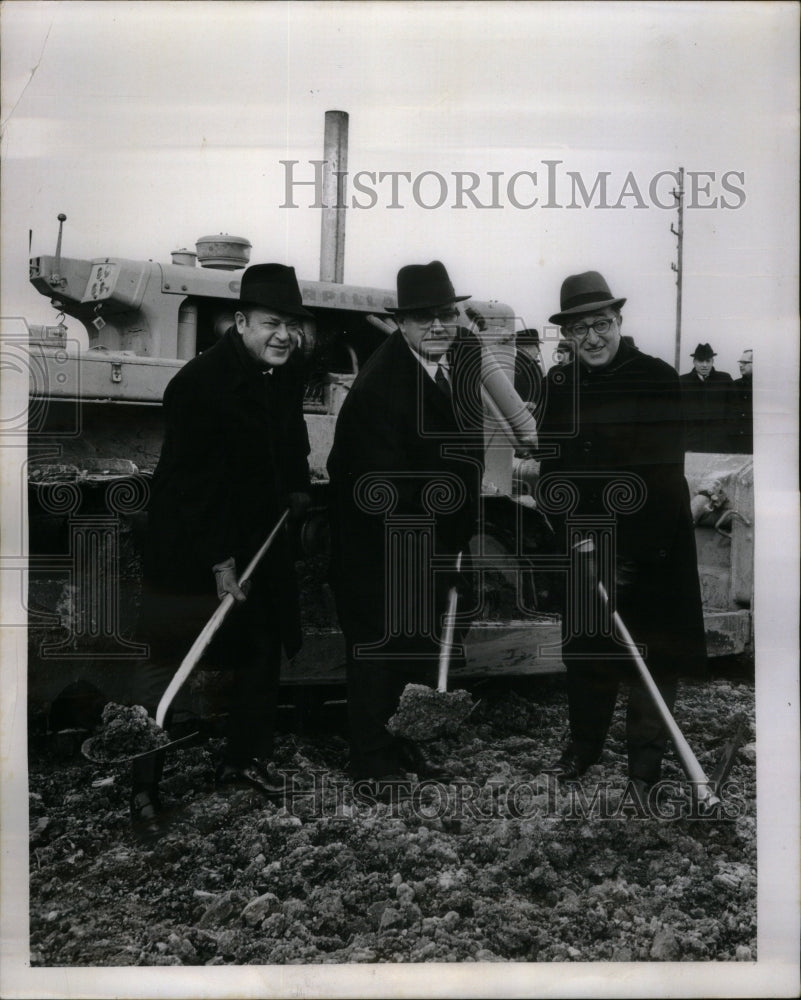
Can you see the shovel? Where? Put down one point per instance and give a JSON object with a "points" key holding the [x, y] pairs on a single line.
{"points": [[707, 789], [422, 713], [200, 645], [189, 663]]}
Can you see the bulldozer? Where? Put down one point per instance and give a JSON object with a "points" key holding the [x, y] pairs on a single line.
{"points": [[94, 431]]}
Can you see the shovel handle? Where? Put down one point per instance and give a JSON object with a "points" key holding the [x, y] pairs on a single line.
{"points": [[693, 770], [447, 636], [200, 644]]}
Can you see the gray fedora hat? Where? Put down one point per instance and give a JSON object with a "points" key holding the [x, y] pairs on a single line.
{"points": [[584, 293]]}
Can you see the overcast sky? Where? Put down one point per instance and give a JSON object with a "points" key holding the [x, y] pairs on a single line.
{"points": [[153, 124]]}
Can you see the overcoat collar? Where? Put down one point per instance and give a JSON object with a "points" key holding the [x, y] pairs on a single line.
{"points": [[414, 374], [626, 354]]}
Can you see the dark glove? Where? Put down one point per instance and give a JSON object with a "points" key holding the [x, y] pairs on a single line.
{"points": [[226, 580], [298, 504]]}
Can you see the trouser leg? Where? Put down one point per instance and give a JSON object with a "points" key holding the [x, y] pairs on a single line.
{"points": [[374, 690], [253, 704], [146, 770], [591, 697], [646, 733], [152, 678]]}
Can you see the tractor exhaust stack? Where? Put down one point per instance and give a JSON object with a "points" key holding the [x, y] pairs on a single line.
{"points": [[332, 235]]}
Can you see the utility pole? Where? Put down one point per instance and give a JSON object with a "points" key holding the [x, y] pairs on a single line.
{"points": [[678, 194]]}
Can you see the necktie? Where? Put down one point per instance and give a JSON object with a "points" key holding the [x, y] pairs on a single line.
{"points": [[443, 382]]}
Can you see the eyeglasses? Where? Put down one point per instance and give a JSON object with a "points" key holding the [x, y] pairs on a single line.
{"points": [[427, 318], [580, 330]]}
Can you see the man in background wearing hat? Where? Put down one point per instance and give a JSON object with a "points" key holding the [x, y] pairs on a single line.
{"points": [[528, 374], [405, 468], [743, 406], [708, 404], [612, 483], [234, 457]]}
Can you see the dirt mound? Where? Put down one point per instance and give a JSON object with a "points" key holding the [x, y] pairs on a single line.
{"points": [[503, 865], [124, 732]]}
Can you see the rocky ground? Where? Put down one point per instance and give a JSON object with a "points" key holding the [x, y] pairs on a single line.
{"points": [[501, 866]]}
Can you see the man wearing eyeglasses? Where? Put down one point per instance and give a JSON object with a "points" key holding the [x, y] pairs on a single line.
{"points": [[612, 483], [405, 472]]}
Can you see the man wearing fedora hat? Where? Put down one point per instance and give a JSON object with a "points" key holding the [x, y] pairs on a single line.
{"points": [[612, 483], [742, 395], [405, 472], [234, 457], [528, 373], [708, 403]]}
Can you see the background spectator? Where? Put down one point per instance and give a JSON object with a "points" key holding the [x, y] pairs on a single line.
{"points": [[707, 403]]}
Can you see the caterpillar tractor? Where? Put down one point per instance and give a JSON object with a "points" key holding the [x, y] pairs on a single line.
{"points": [[94, 431], [94, 437]]}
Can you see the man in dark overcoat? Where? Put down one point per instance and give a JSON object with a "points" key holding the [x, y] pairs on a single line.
{"points": [[234, 457], [743, 406], [405, 472], [708, 404], [612, 483], [528, 373]]}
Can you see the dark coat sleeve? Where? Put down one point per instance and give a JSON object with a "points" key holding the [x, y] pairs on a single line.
{"points": [[293, 437], [195, 481]]}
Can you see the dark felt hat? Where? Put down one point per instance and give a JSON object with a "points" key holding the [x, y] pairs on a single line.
{"points": [[424, 286], [273, 286], [528, 336], [584, 293], [703, 352]]}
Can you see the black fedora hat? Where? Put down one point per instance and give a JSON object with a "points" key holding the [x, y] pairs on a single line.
{"points": [[424, 286], [528, 336], [703, 352], [584, 293], [273, 286]]}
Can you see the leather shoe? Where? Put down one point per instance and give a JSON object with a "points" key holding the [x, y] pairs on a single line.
{"points": [[568, 767], [413, 757], [257, 774], [637, 792], [146, 811]]}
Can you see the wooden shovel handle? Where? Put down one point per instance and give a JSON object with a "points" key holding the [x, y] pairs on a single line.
{"points": [[692, 768], [447, 636], [200, 644]]}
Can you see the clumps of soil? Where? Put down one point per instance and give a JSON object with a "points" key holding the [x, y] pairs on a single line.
{"points": [[125, 731], [503, 865], [426, 714]]}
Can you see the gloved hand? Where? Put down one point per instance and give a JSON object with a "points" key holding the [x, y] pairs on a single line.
{"points": [[298, 504], [226, 579], [477, 319]]}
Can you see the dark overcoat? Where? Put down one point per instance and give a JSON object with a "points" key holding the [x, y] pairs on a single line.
{"points": [[405, 468], [235, 445], [617, 452], [743, 416], [708, 411]]}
